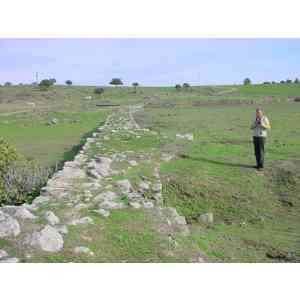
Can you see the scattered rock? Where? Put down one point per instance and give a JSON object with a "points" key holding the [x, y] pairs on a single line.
{"points": [[63, 229], [3, 254], [107, 204], [148, 204], [8, 226], [24, 213], [51, 218], [144, 186], [157, 187], [106, 196], [135, 205], [83, 250], [82, 221], [103, 212], [133, 163], [207, 218], [48, 239], [124, 185], [9, 260], [187, 136]]}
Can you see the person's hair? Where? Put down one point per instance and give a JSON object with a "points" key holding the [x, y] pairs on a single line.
{"points": [[259, 109]]}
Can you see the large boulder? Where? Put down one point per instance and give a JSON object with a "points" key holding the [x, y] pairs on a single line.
{"points": [[8, 226], [48, 239]]}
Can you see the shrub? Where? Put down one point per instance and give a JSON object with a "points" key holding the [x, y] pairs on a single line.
{"points": [[116, 81], [247, 81], [23, 180], [45, 84], [288, 81], [177, 87], [186, 85], [296, 81], [52, 80], [7, 83], [69, 82], [99, 90], [20, 179]]}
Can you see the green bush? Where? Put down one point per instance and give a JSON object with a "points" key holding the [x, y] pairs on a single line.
{"points": [[20, 179]]}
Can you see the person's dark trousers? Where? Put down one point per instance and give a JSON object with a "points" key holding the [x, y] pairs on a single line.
{"points": [[259, 150]]}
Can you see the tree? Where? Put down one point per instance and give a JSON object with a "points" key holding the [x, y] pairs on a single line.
{"points": [[178, 87], [69, 82], [288, 81], [45, 84], [296, 81], [99, 90], [186, 85], [116, 81], [7, 83], [282, 81], [273, 82], [266, 82], [135, 85], [247, 81], [52, 80]]}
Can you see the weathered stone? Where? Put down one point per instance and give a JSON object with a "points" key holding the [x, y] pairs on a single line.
{"points": [[8, 226], [124, 185], [82, 221], [107, 204], [48, 239], [83, 250], [24, 213], [103, 212], [148, 204], [106, 196], [207, 218], [51, 218], [9, 260], [63, 229], [133, 163], [144, 186], [3, 254], [187, 136], [156, 187], [135, 205], [41, 199]]}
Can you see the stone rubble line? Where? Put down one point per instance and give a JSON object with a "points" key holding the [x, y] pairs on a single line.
{"points": [[19, 223]]}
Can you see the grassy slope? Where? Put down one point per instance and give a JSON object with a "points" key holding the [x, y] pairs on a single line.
{"points": [[211, 174], [214, 174]]}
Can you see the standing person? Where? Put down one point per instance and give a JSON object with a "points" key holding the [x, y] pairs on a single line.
{"points": [[259, 127]]}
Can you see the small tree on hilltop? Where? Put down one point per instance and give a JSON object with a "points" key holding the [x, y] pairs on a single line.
{"points": [[178, 87], [135, 85], [186, 85], [52, 80], [116, 81], [69, 82], [247, 81], [45, 84]]}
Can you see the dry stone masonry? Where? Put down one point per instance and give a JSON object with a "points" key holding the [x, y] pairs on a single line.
{"points": [[87, 183]]}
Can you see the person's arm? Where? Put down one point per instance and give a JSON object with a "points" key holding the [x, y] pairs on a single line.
{"points": [[265, 123]]}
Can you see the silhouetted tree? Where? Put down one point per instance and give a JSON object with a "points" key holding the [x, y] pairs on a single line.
{"points": [[7, 83], [288, 81], [247, 81], [69, 82], [296, 81], [178, 87], [52, 80], [135, 85], [186, 85], [116, 81]]}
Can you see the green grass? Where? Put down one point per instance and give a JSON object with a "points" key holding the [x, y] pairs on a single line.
{"points": [[214, 174], [211, 174]]}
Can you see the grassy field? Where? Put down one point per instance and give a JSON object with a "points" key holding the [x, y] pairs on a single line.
{"points": [[256, 215]]}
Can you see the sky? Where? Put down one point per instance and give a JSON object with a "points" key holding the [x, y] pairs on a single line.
{"points": [[151, 62]]}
